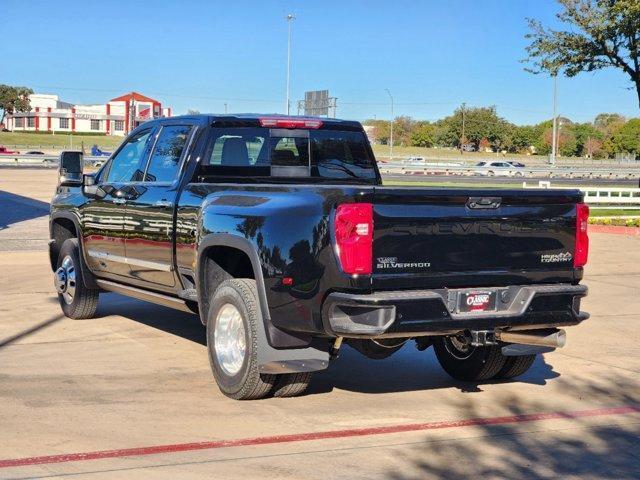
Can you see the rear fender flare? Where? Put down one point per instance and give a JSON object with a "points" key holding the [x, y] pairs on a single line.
{"points": [[239, 243], [271, 360]]}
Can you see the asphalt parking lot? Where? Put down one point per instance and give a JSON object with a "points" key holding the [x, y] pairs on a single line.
{"points": [[130, 393]]}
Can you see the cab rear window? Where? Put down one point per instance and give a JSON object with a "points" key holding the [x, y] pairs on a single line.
{"points": [[256, 151]]}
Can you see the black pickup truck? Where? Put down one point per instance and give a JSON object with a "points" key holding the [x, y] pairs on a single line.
{"points": [[279, 233]]}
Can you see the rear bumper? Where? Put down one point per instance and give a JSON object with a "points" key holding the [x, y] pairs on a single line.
{"points": [[424, 312]]}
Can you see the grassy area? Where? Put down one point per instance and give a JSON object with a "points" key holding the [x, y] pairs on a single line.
{"points": [[613, 212], [57, 141]]}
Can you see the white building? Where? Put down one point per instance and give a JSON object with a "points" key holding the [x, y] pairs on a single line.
{"points": [[117, 117]]}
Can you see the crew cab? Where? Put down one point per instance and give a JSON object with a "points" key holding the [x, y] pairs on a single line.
{"points": [[279, 233]]}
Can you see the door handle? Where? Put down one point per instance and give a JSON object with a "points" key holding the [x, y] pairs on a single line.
{"points": [[163, 203]]}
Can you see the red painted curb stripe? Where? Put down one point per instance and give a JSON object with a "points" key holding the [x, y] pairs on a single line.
{"points": [[615, 229], [302, 437]]}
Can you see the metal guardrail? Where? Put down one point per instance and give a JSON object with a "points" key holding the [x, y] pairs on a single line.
{"points": [[523, 172], [41, 160]]}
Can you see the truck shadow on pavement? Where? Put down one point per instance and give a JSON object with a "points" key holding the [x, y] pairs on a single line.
{"points": [[16, 208], [607, 447], [407, 370], [174, 322]]}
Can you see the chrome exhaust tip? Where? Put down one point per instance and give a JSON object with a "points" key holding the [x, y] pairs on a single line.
{"points": [[550, 337]]}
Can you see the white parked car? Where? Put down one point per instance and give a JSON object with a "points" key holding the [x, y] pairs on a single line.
{"points": [[497, 169]]}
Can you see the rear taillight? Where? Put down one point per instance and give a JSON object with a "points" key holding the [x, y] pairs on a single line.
{"points": [[581, 253], [290, 122], [354, 237]]}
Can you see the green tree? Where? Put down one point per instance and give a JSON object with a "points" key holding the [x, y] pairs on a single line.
{"points": [[402, 129], [381, 130], [13, 99], [604, 121], [586, 135], [627, 138], [599, 34], [423, 135], [523, 137], [479, 123]]}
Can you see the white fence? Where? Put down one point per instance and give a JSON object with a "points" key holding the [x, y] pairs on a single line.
{"points": [[596, 197]]}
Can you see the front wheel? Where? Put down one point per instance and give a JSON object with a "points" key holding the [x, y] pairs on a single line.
{"points": [[76, 300], [465, 362], [232, 340]]}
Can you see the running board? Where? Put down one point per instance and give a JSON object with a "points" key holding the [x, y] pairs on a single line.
{"points": [[152, 297]]}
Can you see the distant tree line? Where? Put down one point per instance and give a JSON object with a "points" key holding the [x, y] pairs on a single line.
{"points": [[485, 130]]}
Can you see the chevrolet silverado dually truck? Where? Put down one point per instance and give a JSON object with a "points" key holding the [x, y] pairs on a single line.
{"points": [[278, 232]]}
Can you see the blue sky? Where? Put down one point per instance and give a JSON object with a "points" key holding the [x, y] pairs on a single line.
{"points": [[432, 55]]}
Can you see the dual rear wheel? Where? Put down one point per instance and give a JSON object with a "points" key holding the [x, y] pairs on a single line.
{"points": [[468, 363], [232, 342]]}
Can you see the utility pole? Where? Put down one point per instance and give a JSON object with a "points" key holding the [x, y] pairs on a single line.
{"points": [[554, 144], [290, 18], [463, 128], [558, 140], [225, 107], [391, 129]]}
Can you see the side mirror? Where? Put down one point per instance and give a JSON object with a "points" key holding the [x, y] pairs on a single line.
{"points": [[90, 189], [88, 180], [70, 173]]}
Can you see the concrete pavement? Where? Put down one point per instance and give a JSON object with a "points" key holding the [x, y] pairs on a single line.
{"points": [[138, 377]]}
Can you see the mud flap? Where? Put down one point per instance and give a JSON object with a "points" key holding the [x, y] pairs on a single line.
{"points": [[290, 360]]}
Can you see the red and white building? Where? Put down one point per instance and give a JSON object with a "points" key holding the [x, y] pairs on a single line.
{"points": [[117, 117]]}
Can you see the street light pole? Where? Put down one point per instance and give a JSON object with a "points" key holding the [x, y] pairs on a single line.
{"points": [[462, 137], [554, 144], [290, 18], [391, 132]]}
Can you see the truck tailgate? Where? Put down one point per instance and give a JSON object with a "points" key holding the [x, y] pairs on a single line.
{"points": [[429, 238]]}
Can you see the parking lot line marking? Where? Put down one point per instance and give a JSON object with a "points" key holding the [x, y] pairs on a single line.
{"points": [[309, 436]]}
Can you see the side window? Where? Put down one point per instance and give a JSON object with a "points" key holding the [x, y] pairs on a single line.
{"points": [[127, 164], [165, 159]]}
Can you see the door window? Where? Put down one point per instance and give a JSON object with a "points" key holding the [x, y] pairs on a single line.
{"points": [[165, 159], [126, 165]]}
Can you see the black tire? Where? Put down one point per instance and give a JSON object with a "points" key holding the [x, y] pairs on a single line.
{"points": [[291, 384], [84, 301], [247, 383], [515, 366], [474, 365]]}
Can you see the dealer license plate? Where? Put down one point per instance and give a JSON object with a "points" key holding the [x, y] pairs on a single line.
{"points": [[476, 301]]}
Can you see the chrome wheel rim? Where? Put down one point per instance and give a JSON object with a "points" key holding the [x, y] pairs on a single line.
{"points": [[64, 279], [459, 346], [229, 339]]}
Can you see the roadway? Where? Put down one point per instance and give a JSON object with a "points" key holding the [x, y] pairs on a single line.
{"points": [[130, 394]]}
